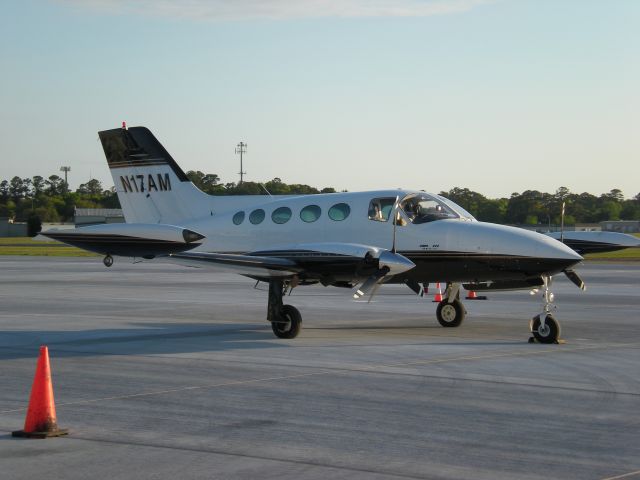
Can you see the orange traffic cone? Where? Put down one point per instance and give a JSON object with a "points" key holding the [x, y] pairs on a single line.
{"points": [[437, 298], [41, 415], [474, 296]]}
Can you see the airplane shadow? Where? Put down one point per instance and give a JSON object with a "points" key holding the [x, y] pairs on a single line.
{"points": [[149, 339], [182, 338]]}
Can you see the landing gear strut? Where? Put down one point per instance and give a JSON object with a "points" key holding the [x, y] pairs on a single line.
{"points": [[451, 311], [544, 327], [286, 320], [107, 260]]}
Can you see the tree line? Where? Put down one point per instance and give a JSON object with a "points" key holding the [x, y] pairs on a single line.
{"points": [[39, 199], [532, 207]]}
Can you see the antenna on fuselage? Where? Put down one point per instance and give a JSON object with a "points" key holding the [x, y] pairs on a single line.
{"points": [[562, 224], [265, 189], [241, 149]]}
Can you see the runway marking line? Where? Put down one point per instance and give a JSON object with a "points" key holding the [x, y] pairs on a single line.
{"points": [[335, 372], [625, 475]]}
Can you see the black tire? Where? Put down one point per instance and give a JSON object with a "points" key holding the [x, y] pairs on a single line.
{"points": [[450, 314], [107, 260], [289, 325], [551, 331]]}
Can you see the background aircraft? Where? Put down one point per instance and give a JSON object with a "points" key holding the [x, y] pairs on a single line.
{"points": [[350, 240], [596, 242]]}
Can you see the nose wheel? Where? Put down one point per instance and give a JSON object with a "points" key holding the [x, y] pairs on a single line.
{"points": [[547, 331], [544, 326]]}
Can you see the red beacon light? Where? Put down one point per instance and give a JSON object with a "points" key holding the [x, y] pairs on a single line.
{"points": [[124, 125]]}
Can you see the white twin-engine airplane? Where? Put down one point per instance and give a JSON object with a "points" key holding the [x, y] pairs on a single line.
{"points": [[353, 240]]}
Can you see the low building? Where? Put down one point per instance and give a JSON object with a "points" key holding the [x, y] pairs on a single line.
{"points": [[9, 228], [621, 226], [95, 216]]}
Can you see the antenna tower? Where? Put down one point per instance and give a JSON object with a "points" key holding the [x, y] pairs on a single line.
{"points": [[241, 149]]}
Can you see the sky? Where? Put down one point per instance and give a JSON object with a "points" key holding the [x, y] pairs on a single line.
{"points": [[498, 96]]}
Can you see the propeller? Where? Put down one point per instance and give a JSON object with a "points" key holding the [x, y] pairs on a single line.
{"points": [[389, 263], [575, 278]]}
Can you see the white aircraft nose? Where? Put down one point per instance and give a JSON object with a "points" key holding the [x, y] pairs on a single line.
{"points": [[534, 252]]}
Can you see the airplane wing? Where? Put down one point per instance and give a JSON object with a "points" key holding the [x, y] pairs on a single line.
{"points": [[341, 264], [252, 265]]}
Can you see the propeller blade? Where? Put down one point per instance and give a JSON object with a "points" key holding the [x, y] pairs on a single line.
{"points": [[375, 290], [415, 287], [575, 278], [394, 211], [367, 286]]}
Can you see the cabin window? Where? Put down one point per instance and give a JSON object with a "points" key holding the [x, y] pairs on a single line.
{"points": [[310, 213], [281, 215], [380, 209], [257, 216], [238, 218], [339, 212]]}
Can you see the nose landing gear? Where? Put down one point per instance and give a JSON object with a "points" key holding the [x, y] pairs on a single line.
{"points": [[544, 327]]}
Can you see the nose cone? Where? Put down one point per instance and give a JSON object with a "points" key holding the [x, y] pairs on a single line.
{"points": [[550, 255], [510, 248]]}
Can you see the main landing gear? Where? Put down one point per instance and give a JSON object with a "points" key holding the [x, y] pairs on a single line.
{"points": [[451, 311], [107, 260], [544, 327], [286, 320]]}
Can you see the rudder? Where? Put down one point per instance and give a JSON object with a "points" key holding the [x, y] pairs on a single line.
{"points": [[151, 187]]}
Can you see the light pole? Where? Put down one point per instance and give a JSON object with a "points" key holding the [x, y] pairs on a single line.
{"points": [[66, 183]]}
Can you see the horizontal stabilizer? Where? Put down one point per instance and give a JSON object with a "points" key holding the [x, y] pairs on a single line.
{"points": [[129, 239]]}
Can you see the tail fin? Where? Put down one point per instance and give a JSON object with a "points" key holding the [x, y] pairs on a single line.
{"points": [[151, 187]]}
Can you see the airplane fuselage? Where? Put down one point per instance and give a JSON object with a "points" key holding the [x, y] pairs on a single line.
{"points": [[452, 249]]}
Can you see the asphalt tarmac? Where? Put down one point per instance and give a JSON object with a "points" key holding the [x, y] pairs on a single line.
{"points": [[163, 371]]}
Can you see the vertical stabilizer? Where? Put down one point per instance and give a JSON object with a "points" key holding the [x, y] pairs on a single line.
{"points": [[151, 187]]}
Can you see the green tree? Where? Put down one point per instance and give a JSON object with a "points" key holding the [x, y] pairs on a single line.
{"points": [[38, 184], [4, 190], [92, 187], [55, 185], [17, 188]]}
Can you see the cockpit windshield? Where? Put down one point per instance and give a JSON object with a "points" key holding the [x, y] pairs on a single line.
{"points": [[423, 208]]}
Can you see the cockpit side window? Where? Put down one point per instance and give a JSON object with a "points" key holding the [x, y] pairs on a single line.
{"points": [[380, 209], [423, 208]]}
